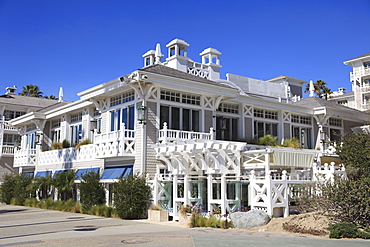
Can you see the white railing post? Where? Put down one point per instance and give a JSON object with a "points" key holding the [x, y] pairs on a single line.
{"points": [[211, 132], [122, 139], [165, 132]]}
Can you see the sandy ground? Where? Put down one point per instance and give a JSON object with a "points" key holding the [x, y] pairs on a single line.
{"points": [[309, 223]]}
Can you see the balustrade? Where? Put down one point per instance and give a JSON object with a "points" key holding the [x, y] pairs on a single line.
{"points": [[118, 143]]}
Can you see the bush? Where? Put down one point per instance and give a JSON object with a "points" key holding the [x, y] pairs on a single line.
{"points": [[83, 142], [66, 144], [15, 188], [292, 143], [346, 230], [56, 145], [346, 200], [268, 140], [131, 197], [92, 192]]}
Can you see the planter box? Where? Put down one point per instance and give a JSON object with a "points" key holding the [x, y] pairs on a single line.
{"points": [[184, 219], [158, 216]]}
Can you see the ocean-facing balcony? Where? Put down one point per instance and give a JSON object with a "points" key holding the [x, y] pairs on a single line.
{"points": [[107, 145]]}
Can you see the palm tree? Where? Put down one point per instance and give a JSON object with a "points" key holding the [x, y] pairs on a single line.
{"points": [[31, 90], [50, 97], [320, 88], [64, 183], [326, 93], [42, 186]]}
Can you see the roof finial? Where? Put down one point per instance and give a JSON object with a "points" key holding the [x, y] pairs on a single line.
{"points": [[60, 96], [312, 89], [158, 54]]}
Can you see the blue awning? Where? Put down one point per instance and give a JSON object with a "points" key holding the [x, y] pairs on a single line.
{"points": [[116, 172], [81, 172], [59, 171], [42, 174]]}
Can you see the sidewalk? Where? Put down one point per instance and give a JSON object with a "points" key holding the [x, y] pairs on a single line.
{"points": [[23, 226]]}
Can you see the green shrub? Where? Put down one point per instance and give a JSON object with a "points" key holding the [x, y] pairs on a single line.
{"points": [[15, 188], [131, 197], [92, 192], [268, 140], [64, 183], [66, 144], [292, 143], [346, 230], [349, 199]]}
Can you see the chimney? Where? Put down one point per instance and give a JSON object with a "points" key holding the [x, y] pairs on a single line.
{"points": [[10, 90]]}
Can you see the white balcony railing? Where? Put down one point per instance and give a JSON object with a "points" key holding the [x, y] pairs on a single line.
{"points": [[118, 143], [24, 157], [359, 72], [168, 135], [6, 126], [7, 150]]}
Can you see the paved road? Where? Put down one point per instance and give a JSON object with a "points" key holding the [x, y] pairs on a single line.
{"points": [[23, 226]]}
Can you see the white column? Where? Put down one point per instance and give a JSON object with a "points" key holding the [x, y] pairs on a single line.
{"points": [[209, 192], [155, 194], [174, 198], [223, 195], [186, 190]]}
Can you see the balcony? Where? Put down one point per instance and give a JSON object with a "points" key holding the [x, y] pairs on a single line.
{"points": [[7, 150], [6, 126], [112, 144], [359, 72]]}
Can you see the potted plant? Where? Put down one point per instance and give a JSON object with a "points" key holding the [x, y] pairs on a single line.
{"points": [[155, 213]]}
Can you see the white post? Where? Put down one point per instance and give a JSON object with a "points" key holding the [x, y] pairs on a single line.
{"points": [[155, 194], [285, 193], [165, 132], [268, 202], [174, 198], [209, 192], [223, 195], [122, 139], [211, 132], [186, 190]]}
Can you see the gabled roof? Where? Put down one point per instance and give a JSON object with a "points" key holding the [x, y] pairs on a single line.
{"points": [[25, 101], [357, 58], [167, 71], [313, 102], [54, 106]]}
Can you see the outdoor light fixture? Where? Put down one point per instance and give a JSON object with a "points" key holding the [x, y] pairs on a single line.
{"points": [[141, 114], [322, 136], [93, 124], [38, 137]]}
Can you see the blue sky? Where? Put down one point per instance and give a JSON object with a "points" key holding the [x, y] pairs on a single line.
{"points": [[80, 44]]}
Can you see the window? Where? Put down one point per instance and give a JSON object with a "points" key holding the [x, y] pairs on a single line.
{"points": [[31, 140], [366, 82], [12, 114], [226, 128], [185, 98], [55, 135], [180, 118], [77, 117], [122, 98], [303, 135], [342, 102], [229, 108], [125, 115], [266, 114], [301, 119], [76, 134], [55, 123], [335, 122], [264, 128], [10, 139], [366, 64]]}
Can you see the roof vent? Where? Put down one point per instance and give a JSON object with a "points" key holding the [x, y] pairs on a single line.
{"points": [[10, 90]]}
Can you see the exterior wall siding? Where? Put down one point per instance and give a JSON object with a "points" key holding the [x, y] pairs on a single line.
{"points": [[248, 123], [208, 120], [287, 131]]}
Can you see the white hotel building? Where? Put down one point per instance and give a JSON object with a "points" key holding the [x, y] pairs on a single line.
{"points": [[191, 133]]}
